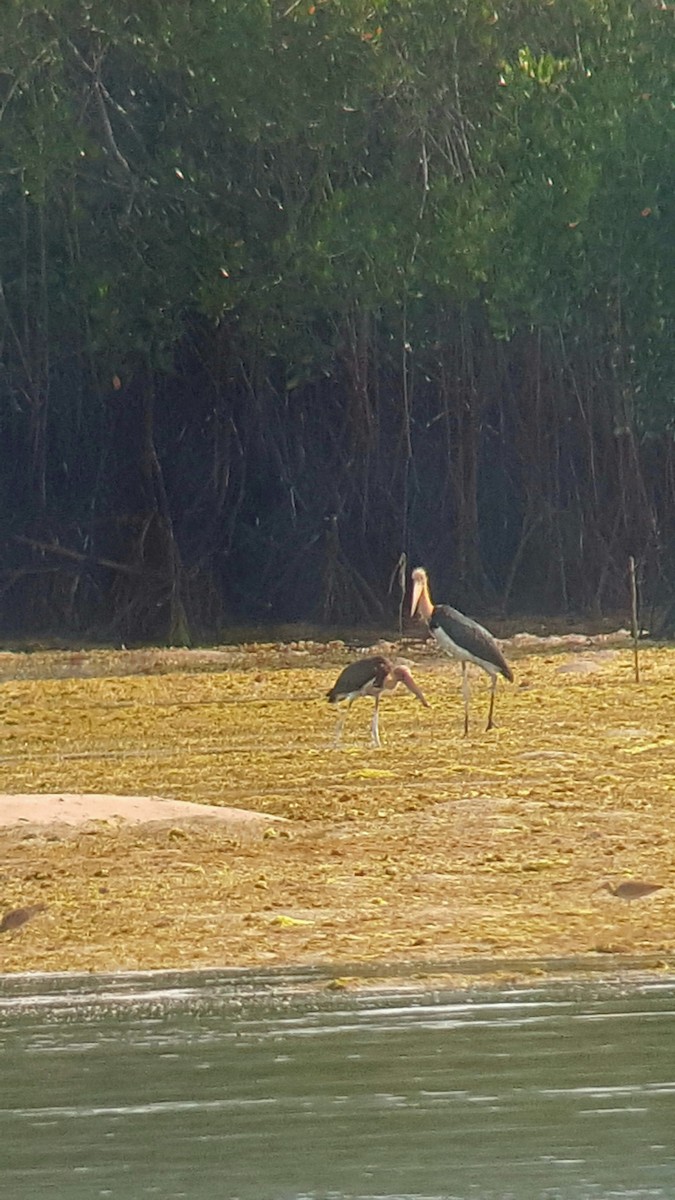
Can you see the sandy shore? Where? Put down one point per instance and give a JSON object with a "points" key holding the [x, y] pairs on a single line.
{"points": [[60, 812]]}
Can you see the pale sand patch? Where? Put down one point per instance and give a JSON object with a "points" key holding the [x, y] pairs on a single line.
{"points": [[579, 666], [53, 809]]}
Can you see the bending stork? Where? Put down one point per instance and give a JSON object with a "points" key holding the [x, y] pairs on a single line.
{"points": [[370, 677], [462, 638]]}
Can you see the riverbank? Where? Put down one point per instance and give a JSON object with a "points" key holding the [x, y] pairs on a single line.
{"points": [[433, 848]]}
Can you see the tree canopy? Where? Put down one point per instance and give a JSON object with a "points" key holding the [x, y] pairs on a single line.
{"points": [[290, 289]]}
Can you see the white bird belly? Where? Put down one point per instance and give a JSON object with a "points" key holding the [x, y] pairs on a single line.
{"points": [[446, 643]]}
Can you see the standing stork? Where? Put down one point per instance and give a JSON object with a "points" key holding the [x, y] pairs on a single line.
{"points": [[461, 637], [370, 677]]}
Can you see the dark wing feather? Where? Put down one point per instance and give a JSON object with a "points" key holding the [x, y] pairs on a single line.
{"points": [[358, 675], [470, 636]]}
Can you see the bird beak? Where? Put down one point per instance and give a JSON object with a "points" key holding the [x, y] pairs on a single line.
{"points": [[418, 588], [407, 679]]}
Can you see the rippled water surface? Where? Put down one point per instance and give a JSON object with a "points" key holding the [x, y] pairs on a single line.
{"points": [[223, 1085]]}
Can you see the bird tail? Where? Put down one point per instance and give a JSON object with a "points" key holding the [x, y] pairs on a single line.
{"points": [[331, 696]]}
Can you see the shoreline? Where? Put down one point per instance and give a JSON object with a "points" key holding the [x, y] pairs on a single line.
{"points": [[458, 975]]}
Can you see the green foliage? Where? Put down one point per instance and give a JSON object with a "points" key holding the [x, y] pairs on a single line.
{"points": [[312, 185]]}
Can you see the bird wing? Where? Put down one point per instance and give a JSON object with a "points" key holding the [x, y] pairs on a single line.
{"points": [[470, 636], [358, 675]]}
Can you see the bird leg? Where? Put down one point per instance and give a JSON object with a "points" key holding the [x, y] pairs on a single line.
{"points": [[342, 717], [465, 695], [492, 704], [374, 727]]}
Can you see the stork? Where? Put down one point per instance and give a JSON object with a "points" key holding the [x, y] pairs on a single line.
{"points": [[630, 889], [370, 677], [462, 638]]}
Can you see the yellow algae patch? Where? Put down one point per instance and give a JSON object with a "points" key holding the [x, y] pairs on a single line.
{"points": [[374, 773]]}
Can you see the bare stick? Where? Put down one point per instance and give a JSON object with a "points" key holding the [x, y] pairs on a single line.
{"points": [[75, 555], [399, 573], [634, 615]]}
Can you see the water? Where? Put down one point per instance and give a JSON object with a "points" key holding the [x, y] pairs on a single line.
{"points": [[224, 1085]]}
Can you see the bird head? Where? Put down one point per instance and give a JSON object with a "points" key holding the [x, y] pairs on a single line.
{"points": [[402, 675]]}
